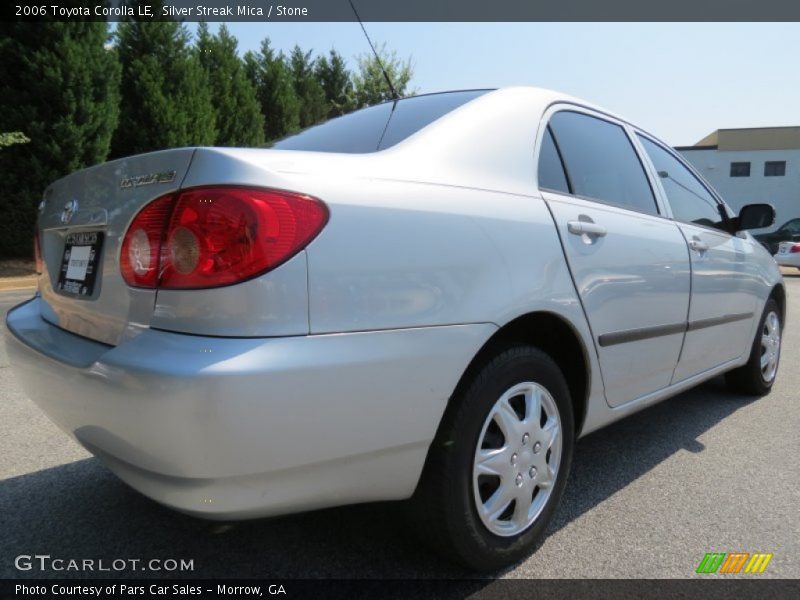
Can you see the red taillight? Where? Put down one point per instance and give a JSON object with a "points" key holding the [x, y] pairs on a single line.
{"points": [[795, 248], [215, 236], [37, 252], [141, 248]]}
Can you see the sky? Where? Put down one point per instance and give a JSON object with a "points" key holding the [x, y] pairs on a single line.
{"points": [[679, 81]]}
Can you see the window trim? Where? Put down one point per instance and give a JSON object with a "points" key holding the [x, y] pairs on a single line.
{"points": [[544, 126], [564, 168], [538, 157], [726, 218]]}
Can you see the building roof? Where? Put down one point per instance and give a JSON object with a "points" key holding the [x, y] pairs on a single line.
{"points": [[750, 138]]}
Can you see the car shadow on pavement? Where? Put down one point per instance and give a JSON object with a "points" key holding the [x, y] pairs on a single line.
{"points": [[79, 510], [608, 460]]}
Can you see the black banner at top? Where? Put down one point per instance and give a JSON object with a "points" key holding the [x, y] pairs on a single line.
{"points": [[404, 10]]}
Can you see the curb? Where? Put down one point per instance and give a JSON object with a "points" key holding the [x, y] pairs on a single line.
{"points": [[18, 283]]}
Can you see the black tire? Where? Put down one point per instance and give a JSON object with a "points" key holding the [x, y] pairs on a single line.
{"points": [[443, 507], [748, 379]]}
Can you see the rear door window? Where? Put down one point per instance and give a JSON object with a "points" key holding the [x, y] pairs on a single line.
{"points": [[377, 127], [689, 199], [601, 163]]}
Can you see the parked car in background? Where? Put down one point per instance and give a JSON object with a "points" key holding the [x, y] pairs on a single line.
{"points": [[788, 254], [788, 232], [430, 299]]}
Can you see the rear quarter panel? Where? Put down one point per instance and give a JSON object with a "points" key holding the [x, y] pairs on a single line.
{"points": [[398, 255], [414, 255]]}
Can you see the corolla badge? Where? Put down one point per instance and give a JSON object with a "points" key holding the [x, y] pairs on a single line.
{"points": [[70, 208], [149, 179]]}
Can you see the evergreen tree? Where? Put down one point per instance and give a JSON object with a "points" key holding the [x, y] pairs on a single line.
{"points": [[369, 83], [59, 87], [239, 118], [166, 100], [336, 83], [272, 79], [10, 138], [307, 87]]}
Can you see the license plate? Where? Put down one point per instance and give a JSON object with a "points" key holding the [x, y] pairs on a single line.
{"points": [[80, 263]]}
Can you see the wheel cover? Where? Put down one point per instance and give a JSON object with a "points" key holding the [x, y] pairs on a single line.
{"points": [[517, 459], [770, 346]]}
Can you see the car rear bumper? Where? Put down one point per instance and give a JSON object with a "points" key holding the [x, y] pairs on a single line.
{"points": [[243, 427]]}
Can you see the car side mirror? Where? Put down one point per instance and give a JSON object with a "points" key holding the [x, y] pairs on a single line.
{"points": [[755, 216]]}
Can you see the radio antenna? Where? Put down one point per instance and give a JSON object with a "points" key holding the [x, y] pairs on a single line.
{"points": [[375, 52]]}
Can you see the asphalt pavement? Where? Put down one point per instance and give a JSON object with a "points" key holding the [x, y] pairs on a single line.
{"points": [[707, 471]]}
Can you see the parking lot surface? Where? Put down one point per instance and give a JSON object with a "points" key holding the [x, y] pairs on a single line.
{"points": [[707, 471]]}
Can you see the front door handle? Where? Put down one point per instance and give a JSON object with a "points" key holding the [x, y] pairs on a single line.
{"points": [[698, 245], [585, 227]]}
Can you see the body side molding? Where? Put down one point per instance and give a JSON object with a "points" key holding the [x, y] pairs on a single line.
{"points": [[634, 335]]}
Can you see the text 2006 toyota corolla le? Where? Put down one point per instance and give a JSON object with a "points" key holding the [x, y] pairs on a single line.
{"points": [[431, 299]]}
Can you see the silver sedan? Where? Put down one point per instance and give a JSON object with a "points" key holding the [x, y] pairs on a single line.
{"points": [[430, 299]]}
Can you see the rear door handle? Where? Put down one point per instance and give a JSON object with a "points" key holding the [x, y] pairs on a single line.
{"points": [[585, 227], [698, 245]]}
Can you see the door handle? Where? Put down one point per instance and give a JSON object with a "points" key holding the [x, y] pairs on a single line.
{"points": [[698, 245], [585, 227]]}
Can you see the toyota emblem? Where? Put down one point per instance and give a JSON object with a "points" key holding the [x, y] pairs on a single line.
{"points": [[70, 208]]}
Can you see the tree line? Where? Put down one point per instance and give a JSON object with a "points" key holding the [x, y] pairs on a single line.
{"points": [[76, 94]]}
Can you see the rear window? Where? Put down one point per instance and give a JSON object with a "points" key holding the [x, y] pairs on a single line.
{"points": [[377, 127]]}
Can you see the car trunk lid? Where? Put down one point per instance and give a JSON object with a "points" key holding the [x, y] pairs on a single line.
{"points": [[82, 222]]}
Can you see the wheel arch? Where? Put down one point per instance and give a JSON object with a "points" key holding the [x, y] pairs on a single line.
{"points": [[553, 335], [778, 293]]}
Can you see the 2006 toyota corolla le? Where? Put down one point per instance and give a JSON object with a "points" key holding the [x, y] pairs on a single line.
{"points": [[427, 299]]}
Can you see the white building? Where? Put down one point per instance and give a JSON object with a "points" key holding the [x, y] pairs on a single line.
{"points": [[752, 165]]}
